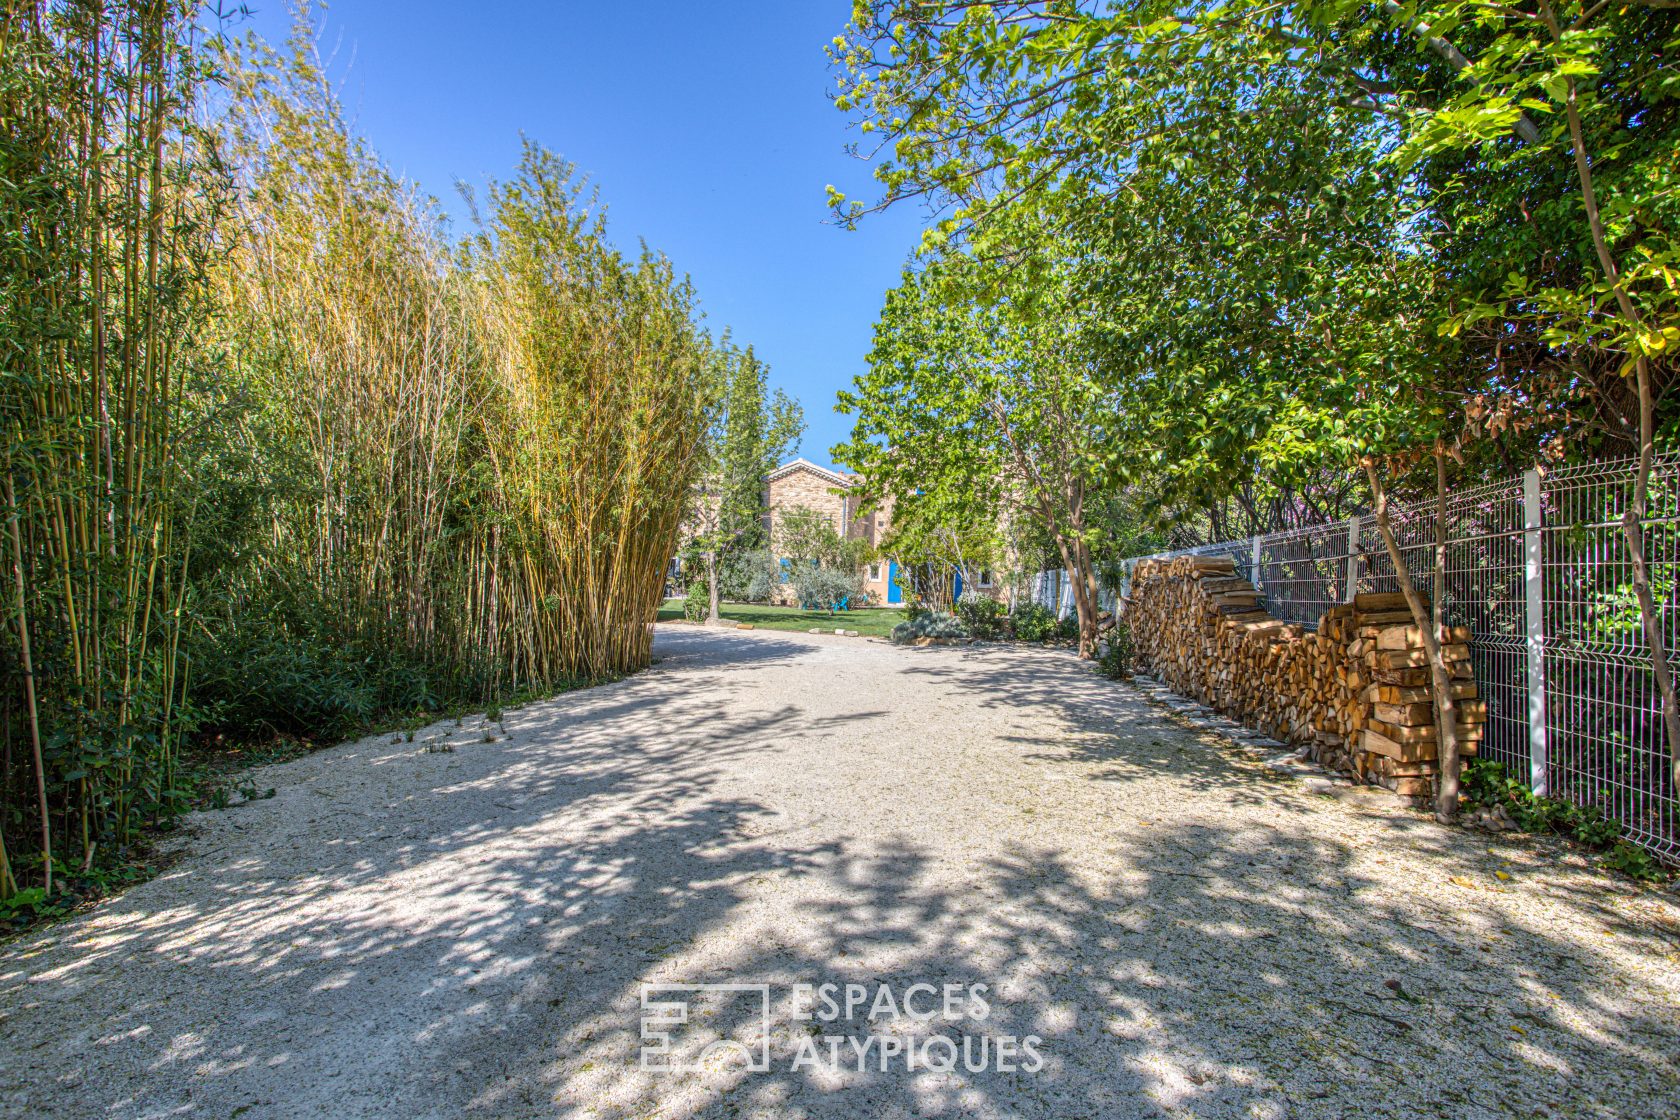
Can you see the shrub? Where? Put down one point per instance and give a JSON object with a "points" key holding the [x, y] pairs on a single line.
{"points": [[697, 604], [929, 624], [758, 574], [1034, 623], [981, 615], [1119, 654], [1485, 783], [1635, 862], [822, 588]]}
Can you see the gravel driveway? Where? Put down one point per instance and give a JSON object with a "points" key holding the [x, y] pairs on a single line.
{"points": [[408, 930]]}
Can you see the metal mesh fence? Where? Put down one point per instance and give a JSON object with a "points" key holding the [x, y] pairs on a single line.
{"points": [[1538, 568]]}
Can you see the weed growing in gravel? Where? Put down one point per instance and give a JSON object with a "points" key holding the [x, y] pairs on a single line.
{"points": [[1487, 785]]}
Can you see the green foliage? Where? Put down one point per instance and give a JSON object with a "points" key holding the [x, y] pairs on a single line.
{"points": [[758, 429], [1315, 229], [750, 429], [823, 567], [1486, 783], [1032, 622], [804, 535], [697, 604], [27, 905], [982, 616], [1119, 653], [932, 624], [108, 205], [982, 391], [302, 464], [1636, 863], [754, 576], [819, 587]]}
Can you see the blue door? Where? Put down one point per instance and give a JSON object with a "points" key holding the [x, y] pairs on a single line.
{"points": [[956, 588], [895, 594]]}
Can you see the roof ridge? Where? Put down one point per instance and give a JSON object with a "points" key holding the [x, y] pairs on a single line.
{"points": [[801, 462]]}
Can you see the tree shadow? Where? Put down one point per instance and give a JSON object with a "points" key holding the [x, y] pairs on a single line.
{"points": [[1199, 976], [454, 926], [1107, 728]]}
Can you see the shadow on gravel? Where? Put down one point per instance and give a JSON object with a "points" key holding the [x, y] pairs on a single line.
{"points": [[495, 968], [1106, 727], [681, 643], [1239, 984], [326, 968]]}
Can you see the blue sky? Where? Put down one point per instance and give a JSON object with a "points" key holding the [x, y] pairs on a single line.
{"points": [[707, 127]]}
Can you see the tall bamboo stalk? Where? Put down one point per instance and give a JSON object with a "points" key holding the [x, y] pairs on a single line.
{"points": [[105, 206]]}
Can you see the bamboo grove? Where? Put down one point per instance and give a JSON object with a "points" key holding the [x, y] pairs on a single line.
{"points": [[279, 454]]}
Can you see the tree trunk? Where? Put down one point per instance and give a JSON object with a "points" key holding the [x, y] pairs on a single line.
{"points": [[1084, 579], [1076, 558], [1633, 530], [1633, 518], [1446, 714], [712, 616], [1085, 598]]}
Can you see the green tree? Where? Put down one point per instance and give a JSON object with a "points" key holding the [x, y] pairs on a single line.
{"points": [[982, 382], [752, 428], [1229, 213]]}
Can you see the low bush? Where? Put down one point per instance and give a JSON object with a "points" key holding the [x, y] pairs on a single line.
{"points": [[1119, 654], [1034, 623], [1485, 783], [982, 615], [929, 624], [755, 576], [826, 589], [697, 604]]}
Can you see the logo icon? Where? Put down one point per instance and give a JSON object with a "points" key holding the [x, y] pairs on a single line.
{"points": [[688, 1028]]}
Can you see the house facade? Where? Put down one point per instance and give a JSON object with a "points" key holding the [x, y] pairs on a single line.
{"points": [[835, 496], [802, 483]]}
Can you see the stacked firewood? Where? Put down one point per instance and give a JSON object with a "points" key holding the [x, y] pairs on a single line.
{"points": [[1356, 692]]}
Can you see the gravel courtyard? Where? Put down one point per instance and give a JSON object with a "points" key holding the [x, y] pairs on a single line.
{"points": [[456, 927]]}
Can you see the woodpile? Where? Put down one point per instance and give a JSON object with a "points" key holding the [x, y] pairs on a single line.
{"points": [[1356, 692]]}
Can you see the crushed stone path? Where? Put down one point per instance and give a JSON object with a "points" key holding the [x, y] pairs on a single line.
{"points": [[462, 925]]}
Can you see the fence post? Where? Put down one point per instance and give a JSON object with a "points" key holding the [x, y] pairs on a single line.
{"points": [[1534, 586], [1254, 567], [1352, 559]]}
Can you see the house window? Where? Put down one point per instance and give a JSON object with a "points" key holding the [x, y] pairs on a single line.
{"points": [[875, 573], [985, 579]]}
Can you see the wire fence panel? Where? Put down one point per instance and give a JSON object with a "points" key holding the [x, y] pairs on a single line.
{"points": [[1538, 568]]}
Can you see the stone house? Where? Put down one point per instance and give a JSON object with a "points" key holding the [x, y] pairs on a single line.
{"points": [[830, 493]]}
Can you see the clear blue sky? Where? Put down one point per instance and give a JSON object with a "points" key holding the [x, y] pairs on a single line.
{"points": [[707, 127]]}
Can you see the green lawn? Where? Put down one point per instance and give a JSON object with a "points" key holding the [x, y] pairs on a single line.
{"points": [[874, 621]]}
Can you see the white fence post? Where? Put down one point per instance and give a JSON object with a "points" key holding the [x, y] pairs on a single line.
{"points": [[1352, 559], [1534, 586], [1254, 568]]}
